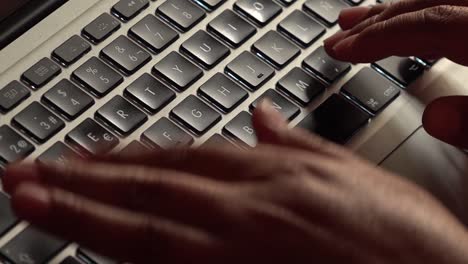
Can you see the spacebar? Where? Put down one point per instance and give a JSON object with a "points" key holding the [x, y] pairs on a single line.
{"points": [[32, 246], [336, 119]]}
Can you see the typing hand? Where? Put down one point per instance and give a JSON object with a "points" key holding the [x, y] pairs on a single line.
{"points": [[428, 29], [425, 28], [294, 199]]}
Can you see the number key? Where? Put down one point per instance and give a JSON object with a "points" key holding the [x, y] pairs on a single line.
{"points": [[38, 122], [97, 77], [68, 99], [153, 34], [13, 147], [126, 55], [260, 11], [181, 13]]}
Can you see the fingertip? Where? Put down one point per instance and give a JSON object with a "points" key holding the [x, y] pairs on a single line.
{"points": [[267, 121], [31, 202], [350, 17], [344, 50], [444, 120], [19, 173], [335, 38]]}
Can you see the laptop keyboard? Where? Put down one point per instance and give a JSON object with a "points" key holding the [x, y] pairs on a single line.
{"points": [[364, 96]]}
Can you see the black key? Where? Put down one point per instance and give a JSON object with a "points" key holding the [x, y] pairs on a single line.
{"points": [[101, 28], [177, 71], [326, 10], [12, 95], [153, 34], [128, 9], [121, 115], [68, 99], [210, 5], [13, 147], [223, 92], [250, 70], [165, 135], [231, 28], [300, 86], [241, 130], [279, 103], [260, 11], [91, 257], [41, 73], [181, 13], [321, 64], [7, 217], [38, 122], [276, 49], [204, 49], [287, 2], [133, 148], [216, 141], [195, 115], [32, 246], [71, 50], [97, 77], [355, 2], [59, 154], [149, 93], [301, 28], [336, 119], [70, 260], [90, 138], [403, 70], [373, 91], [125, 55]]}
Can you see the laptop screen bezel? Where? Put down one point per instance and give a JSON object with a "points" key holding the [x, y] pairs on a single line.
{"points": [[24, 18]]}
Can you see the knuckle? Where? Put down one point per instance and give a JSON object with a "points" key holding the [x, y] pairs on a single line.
{"points": [[439, 15]]}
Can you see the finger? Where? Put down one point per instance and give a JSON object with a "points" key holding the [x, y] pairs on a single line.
{"points": [[423, 33], [160, 192], [397, 8], [220, 163], [121, 234], [350, 17], [272, 128], [447, 119]]}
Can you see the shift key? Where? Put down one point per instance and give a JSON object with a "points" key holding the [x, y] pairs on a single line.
{"points": [[371, 90]]}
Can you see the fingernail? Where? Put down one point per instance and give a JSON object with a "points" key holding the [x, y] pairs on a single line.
{"points": [[344, 48], [19, 173], [31, 202], [331, 41], [271, 116]]}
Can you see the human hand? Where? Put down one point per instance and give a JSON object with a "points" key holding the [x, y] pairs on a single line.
{"points": [[424, 28], [295, 198]]}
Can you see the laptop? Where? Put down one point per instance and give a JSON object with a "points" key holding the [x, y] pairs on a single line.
{"points": [[82, 77]]}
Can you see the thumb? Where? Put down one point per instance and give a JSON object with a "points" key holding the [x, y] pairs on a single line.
{"points": [[446, 119]]}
